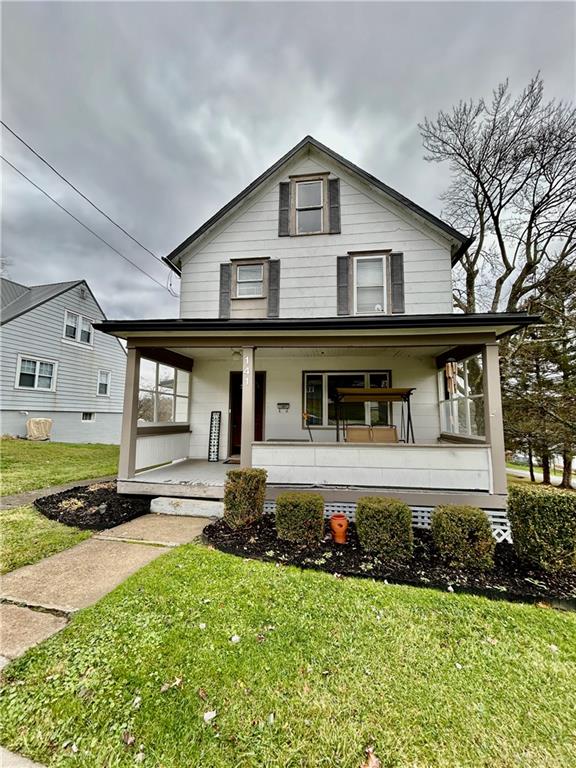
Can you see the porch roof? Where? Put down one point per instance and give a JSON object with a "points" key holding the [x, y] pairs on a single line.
{"points": [[498, 323]]}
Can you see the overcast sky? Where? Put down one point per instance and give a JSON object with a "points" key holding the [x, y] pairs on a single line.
{"points": [[161, 112]]}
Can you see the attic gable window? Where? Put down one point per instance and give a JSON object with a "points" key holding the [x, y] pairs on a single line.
{"points": [[309, 206], [249, 281], [77, 328]]}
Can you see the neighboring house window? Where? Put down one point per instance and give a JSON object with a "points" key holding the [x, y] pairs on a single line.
{"points": [[309, 206], [320, 398], [104, 383], [249, 280], [369, 285], [36, 374], [462, 411], [163, 394], [88, 416], [77, 328]]}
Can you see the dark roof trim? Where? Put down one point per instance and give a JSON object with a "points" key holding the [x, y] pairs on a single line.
{"points": [[309, 140], [455, 321]]}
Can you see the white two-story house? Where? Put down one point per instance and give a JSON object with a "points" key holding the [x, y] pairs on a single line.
{"points": [[56, 366], [317, 339]]}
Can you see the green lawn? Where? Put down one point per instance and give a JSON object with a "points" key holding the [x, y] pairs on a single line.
{"points": [[26, 466], [28, 536], [324, 667]]}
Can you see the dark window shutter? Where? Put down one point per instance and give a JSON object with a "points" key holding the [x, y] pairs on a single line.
{"points": [[396, 272], [284, 210], [274, 288], [334, 205], [343, 291], [225, 285]]}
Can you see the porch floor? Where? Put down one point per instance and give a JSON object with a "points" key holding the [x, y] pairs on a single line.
{"points": [[187, 472]]}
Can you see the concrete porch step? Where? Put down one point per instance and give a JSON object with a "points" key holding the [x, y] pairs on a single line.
{"points": [[170, 505]]}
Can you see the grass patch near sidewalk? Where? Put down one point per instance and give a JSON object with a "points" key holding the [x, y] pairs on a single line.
{"points": [[27, 536], [207, 659], [27, 466]]}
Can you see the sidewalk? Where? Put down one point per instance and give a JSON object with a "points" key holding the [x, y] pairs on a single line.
{"points": [[27, 497], [38, 600]]}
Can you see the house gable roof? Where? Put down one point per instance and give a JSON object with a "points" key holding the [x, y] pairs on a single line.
{"points": [[17, 302], [310, 141]]}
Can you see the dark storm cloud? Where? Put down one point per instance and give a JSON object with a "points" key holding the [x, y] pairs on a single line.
{"points": [[161, 112]]}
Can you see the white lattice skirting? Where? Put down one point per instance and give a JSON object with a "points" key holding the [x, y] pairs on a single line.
{"points": [[421, 517]]}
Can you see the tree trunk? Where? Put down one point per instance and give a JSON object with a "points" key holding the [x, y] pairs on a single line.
{"points": [[531, 463], [567, 459], [546, 467]]}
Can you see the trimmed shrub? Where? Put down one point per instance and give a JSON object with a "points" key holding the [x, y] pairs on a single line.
{"points": [[385, 527], [543, 521], [463, 537], [300, 517], [244, 495]]}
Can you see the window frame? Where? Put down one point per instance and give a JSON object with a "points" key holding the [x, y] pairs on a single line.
{"points": [[237, 267], [295, 207], [157, 391], [81, 320], [36, 360], [449, 404], [325, 404], [383, 257], [109, 383]]}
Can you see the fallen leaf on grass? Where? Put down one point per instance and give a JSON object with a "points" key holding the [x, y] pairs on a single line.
{"points": [[202, 693], [128, 738], [492, 640], [554, 648], [235, 639], [176, 684], [371, 760], [210, 715], [136, 703]]}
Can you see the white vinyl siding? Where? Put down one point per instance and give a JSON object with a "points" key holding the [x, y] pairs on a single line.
{"points": [[308, 274]]}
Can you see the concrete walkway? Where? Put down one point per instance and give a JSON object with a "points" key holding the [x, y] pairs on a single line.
{"points": [[38, 599], [10, 760], [27, 497]]}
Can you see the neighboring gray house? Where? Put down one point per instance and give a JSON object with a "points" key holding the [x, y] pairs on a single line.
{"points": [[55, 365]]}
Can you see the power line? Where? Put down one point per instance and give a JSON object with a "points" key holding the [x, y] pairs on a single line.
{"points": [[85, 225], [82, 195]]}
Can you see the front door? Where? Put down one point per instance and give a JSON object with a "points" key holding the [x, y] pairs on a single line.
{"points": [[236, 409]]}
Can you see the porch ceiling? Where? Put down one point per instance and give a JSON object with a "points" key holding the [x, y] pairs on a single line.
{"points": [[226, 353]]}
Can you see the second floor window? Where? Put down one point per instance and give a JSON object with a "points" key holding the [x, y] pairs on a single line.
{"points": [[77, 328], [249, 280], [309, 206], [369, 285]]}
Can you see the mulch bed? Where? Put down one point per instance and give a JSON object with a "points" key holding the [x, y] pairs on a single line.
{"points": [[508, 580], [94, 507]]}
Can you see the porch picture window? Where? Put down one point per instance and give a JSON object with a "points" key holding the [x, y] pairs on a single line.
{"points": [[309, 206], [320, 398], [249, 280], [36, 374], [462, 412], [103, 389], [163, 394], [369, 285], [77, 328]]}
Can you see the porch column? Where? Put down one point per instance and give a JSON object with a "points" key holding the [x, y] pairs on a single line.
{"points": [[493, 415], [127, 460], [248, 409]]}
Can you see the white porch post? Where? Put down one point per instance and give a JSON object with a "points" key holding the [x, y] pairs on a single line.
{"points": [[127, 460], [248, 405], [493, 417]]}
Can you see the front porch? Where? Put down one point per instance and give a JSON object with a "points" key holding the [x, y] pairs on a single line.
{"points": [[282, 411]]}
